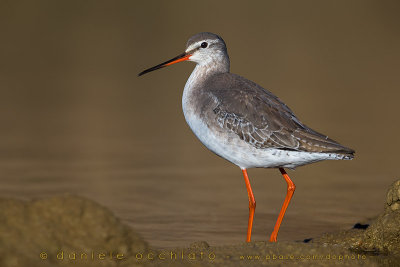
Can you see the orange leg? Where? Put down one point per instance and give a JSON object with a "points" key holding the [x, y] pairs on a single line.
{"points": [[252, 204], [290, 191]]}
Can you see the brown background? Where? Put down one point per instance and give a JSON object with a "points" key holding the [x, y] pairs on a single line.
{"points": [[76, 118]]}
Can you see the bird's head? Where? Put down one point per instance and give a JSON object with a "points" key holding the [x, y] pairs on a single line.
{"points": [[205, 48]]}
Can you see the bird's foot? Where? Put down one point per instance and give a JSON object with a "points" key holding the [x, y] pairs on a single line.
{"points": [[273, 237]]}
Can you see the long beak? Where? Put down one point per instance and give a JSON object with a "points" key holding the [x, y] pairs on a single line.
{"points": [[181, 57]]}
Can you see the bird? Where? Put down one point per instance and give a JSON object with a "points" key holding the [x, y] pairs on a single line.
{"points": [[244, 123]]}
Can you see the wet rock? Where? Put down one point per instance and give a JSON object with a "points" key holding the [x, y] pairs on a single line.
{"points": [[380, 236], [66, 230], [349, 239], [383, 235], [393, 197]]}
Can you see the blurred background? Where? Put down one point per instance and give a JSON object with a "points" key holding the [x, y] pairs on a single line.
{"points": [[75, 118]]}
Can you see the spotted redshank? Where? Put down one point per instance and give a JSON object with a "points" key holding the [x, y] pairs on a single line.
{"points": [[245, 124]]}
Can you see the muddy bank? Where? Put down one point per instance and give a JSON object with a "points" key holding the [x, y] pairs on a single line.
{"points": [[60, 230], [380, 236], [66, 230]]}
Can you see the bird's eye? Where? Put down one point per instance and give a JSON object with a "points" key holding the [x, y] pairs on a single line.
{"points": [[204, 45]]}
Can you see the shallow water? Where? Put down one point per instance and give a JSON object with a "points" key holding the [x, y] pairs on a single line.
{"points": [[76, 119], [174, 193]]}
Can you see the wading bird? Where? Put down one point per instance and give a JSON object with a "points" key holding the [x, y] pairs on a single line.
{"points": [[245, 124]]}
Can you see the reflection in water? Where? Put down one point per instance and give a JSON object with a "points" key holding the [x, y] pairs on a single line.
{"points": [[76, 119]]}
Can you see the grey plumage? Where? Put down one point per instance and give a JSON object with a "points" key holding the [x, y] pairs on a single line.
{"points": [[261, 119]]}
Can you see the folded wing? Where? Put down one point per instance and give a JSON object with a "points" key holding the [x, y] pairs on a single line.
{"points": [[261, 119]]}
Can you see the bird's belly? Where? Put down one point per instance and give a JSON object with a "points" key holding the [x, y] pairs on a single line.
{"points": [[229, 146]]}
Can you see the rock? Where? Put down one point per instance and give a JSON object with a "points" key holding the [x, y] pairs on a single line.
{"points": [[378, 238], [393, 196], [383, 235], [66, 230]]}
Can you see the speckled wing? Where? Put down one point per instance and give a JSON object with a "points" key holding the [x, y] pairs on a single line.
{"points": [[261, 119]]}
